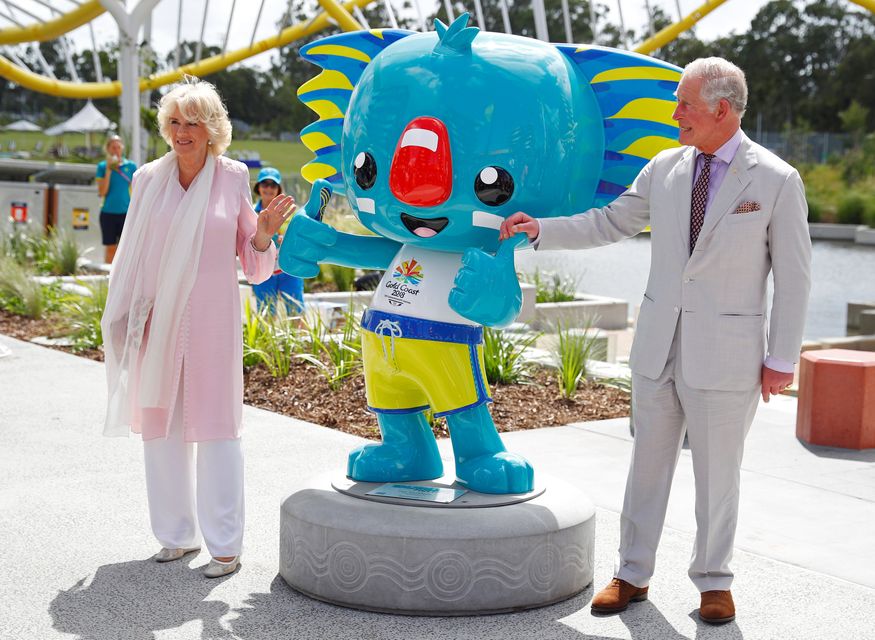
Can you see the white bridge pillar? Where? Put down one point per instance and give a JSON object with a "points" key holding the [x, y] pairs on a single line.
{"points": [[129, 24]]}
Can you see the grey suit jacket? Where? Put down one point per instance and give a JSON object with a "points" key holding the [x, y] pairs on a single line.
{"points": [[719, 292]]}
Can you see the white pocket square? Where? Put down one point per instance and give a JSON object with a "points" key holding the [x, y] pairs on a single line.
{"points": [[747, 207]]}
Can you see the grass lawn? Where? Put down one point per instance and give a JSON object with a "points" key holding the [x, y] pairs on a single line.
{"points": [[27, 140], [288, 157]]}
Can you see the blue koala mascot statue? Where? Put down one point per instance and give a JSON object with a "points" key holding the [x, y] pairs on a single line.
{"points": [[435, 138]]}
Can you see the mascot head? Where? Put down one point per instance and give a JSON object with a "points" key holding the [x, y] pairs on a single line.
{"points": [[437, 137]]}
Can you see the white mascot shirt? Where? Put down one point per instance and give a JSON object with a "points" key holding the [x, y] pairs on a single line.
{"points": [[418, 283]]}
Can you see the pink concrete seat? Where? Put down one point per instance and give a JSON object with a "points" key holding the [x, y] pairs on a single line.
{"points": [[837, 398]]}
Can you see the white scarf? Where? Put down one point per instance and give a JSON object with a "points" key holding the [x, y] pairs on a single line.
{"points": [[128, 310]]}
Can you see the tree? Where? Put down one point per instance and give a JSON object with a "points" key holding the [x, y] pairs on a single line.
{"points": [[854, 121]]}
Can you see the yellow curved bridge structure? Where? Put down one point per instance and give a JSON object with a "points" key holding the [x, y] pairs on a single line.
{"points": [[333, 11], [86, 90]]}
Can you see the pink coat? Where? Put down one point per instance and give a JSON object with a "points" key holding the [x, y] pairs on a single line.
{"points": [[209, 350]]}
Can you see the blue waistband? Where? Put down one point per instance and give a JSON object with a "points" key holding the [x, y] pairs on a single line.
{"points": [[392, 325]]}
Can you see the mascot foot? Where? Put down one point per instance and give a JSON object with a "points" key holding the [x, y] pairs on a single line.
{"points": [[501, 472], [393, 463]]}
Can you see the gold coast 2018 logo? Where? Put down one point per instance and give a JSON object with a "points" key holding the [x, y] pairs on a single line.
{"points": [[409, 272]]}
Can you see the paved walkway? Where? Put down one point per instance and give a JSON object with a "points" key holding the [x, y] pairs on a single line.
{"points": [[74, 558]]}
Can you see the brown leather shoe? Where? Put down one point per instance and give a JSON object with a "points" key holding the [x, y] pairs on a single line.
{"points": [[617, 596], [717, 607]]}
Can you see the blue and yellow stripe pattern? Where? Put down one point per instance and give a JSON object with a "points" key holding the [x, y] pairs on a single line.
{"points": [[636, 128], [343, 58]]}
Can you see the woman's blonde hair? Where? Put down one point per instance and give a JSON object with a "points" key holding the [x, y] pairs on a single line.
{"points": [[197, 101], [112, 139]]}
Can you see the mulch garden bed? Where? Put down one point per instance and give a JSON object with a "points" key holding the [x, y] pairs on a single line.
{"points": [[305, 394]]}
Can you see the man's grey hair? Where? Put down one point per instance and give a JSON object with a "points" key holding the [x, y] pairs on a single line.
{"points": [[720, 79]]}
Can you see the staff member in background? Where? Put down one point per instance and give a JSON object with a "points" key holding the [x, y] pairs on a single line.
{"points": [[267, 187], [171, 328], [114, 176]]}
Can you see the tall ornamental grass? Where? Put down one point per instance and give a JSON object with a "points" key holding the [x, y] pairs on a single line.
{"points": [[574, 348], [19, 292], [62, 254], [81, 314], [503, 356], [337, 356], [270, 338], [26, 247]]}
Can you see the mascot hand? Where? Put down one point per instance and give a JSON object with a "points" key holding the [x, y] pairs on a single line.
{"points": [[307, 243], [486, 289], [320, 194]]}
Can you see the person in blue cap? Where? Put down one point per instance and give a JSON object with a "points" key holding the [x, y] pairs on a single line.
{"points": [[268, 186]]}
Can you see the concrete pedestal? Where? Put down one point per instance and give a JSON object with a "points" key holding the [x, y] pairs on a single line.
{"points": [[488, 554]]}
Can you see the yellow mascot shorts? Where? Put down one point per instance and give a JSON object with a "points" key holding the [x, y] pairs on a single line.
{"points": [[412, 365]]}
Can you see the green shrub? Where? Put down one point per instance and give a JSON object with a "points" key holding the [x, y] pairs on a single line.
{"points": [[502, 356], [815, 210], [62, 254], [343, 352], [851, 208], [343, 277], [26, 247], [869, 213], [575, 347], [19, 292], [254, 328], [82, 313], [270, 338], [550, 286], [824, 184]]}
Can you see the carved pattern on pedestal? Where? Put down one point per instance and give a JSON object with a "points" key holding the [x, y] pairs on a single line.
{"points": [[447, 575]]}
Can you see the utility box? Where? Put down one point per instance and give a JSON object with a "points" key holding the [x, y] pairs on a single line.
{"points": [[24, 205], [75, 204], [77, 211]]}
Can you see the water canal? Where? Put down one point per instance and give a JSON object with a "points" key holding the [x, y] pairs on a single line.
{"points": [[841, 272]]}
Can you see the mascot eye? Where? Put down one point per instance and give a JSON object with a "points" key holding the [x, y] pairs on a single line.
{"points": [[493, 186], [365, 170]]}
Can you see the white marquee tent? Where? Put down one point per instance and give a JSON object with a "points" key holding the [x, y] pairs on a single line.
{"points": [[22, 125], [88, 120]]}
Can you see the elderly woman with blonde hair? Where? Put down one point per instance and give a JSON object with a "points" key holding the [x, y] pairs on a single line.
{"points": [[172, 334]]}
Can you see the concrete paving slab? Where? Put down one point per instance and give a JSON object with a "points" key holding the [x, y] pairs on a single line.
{"points": [[76, 544], [795, 505]]}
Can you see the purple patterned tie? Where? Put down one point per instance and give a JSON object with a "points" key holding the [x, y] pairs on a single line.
{"points": [[699, 200]]}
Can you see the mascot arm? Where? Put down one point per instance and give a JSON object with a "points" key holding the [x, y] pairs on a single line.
{"points": [[623, 218], [308, 243], [486, 289]]}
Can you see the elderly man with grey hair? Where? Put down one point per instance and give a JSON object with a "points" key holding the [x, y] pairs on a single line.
{"points": [[724, 213]]}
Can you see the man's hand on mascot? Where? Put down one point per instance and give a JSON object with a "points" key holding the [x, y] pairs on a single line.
{"points": [[486, 289], [519, 222], [306, 243]]}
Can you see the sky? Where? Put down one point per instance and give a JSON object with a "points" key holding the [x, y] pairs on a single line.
{"points": [[733, 15]]}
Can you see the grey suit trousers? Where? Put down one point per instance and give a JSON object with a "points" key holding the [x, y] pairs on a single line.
{"points": [[717, 423]]}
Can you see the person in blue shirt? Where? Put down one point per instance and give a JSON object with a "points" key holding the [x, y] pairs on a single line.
{"points": [[114, 177], [268, 186]]}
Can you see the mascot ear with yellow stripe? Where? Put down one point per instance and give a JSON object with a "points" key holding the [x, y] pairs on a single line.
{"points": [[435, 138]]}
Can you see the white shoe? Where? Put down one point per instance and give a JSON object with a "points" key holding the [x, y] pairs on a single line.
{"points": [[217, 568], [169, 555]]}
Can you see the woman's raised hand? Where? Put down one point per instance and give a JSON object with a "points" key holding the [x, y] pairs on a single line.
{"points": [[271, 218]]}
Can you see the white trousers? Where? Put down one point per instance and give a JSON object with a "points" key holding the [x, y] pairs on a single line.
{"points": [[188, 496], [717, 423]]}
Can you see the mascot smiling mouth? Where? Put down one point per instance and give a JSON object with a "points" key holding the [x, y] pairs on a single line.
{"points": [[424, 227]]}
